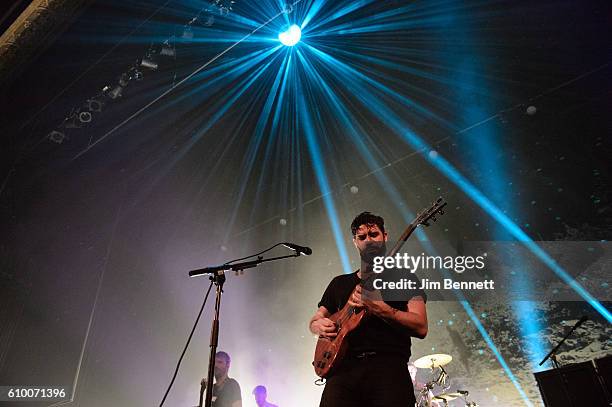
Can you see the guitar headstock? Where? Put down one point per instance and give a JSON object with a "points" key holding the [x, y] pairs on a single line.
{"points": [[436, 210]]}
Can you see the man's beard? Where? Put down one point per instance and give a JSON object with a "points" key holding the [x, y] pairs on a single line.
{"points": [[372, 250], [220, 372]]}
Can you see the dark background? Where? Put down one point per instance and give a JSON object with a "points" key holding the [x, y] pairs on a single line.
{"points": [[99, 231]]}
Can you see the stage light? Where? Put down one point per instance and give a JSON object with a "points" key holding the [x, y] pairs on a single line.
{"points": [[224, 6], [94, 105], [124, 79], [84, 117], [291, 36], [116, 92], [188, 32], [208, 21], [57, 137], [149, 62], [288, 8], [167, 50], [138, 75]]}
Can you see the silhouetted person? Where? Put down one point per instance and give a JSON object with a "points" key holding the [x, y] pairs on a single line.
{"points": [[226, 391], [261, 394]]}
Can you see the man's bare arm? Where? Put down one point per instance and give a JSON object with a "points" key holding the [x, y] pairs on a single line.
{"points": [[321, 325], [414, 318]]}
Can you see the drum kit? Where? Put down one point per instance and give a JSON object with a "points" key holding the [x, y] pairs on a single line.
{"points": [[439, 379]]}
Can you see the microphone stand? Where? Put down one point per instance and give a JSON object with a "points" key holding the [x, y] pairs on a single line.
{"points": [[218, 278], [552, 355]]}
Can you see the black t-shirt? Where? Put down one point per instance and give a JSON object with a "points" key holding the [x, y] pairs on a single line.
{"points": [[373, 334], [229, 393]]}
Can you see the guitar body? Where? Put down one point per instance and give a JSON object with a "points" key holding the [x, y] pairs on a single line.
{"points": [[330, 351]]}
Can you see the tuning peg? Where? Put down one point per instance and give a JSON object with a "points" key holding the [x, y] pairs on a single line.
{"points": [[441, 212]]}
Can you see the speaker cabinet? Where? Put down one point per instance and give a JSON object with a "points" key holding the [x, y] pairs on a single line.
{"points": [[604, 368], [574, 385]]}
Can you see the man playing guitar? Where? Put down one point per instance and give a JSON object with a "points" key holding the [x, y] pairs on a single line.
{"points": [[374, 372]]}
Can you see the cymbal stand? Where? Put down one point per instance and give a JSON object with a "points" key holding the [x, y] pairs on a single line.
{"points": [[464, 395], [423, 400], [443, 379]]}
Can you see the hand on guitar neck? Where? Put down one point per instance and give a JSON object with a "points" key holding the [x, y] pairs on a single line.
{"points": [[371, 301]]}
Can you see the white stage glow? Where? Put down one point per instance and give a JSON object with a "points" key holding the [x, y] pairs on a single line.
{"points": [[291, 36]]}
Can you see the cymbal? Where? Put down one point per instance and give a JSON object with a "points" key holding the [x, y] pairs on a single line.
{"points": [[447, 396], [433, 361]]}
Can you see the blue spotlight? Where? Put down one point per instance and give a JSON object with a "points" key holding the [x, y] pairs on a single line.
{"points": [[291, 36]]}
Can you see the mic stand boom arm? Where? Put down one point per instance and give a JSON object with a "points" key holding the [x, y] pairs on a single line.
{"points": [[215, 270], [218, 278], [553, 353]]}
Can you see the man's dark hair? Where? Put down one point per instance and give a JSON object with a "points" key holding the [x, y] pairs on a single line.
{"points": [[260, 389], [367, 218], [224, 355]]}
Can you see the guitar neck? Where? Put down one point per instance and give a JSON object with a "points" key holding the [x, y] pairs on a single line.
{"points": [[402, 239]]}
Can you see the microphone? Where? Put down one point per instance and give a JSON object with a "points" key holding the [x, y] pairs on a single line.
{"points": [[300, 249], [208, 270]]}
